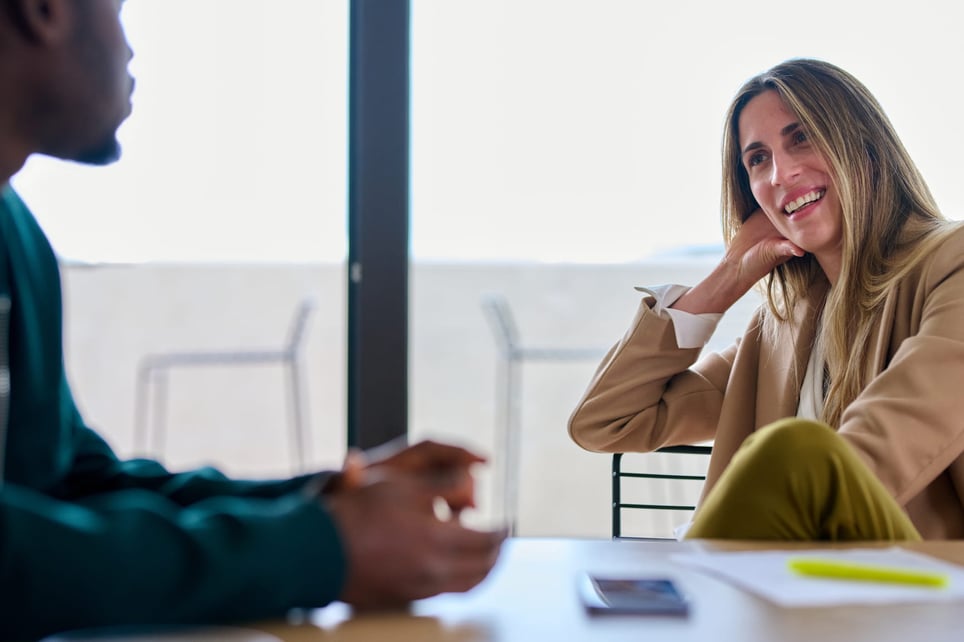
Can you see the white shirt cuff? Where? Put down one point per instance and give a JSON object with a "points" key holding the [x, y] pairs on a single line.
{"points": [[692, 330]]}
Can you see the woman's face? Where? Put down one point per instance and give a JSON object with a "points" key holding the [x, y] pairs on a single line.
{"points": [[790, 179]]}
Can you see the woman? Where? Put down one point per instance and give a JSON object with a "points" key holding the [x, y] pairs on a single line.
{"points": [[840, 412]]}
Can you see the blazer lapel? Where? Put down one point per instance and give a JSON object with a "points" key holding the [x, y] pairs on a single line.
{"points": [[782, 370]]}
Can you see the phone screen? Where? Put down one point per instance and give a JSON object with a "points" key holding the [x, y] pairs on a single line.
{"points": [[632, 595]]}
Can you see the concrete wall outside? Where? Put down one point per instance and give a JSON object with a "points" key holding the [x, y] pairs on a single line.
{"points": [[234, 417]]}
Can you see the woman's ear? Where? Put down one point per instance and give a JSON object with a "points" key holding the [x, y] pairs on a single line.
{"points": [[42, 20]]}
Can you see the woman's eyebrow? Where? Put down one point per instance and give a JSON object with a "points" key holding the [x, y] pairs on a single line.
{"points": [[789, 129]]}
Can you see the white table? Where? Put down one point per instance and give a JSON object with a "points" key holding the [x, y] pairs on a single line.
{"points": [[531, 597]]}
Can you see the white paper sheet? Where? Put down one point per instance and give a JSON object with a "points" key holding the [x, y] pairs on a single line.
{"points": [[767, 574]]}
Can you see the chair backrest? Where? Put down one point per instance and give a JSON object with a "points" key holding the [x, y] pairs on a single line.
{"points": [[299, 325], [668, 481], [499, 314]]}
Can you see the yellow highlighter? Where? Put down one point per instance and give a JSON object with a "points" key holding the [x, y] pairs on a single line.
{"points": [[845, 570]]}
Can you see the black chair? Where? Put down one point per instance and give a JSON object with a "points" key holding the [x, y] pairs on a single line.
{"points": [[687, 483]]}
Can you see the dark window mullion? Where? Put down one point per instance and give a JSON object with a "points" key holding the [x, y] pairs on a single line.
{"points": [[378, 221]]}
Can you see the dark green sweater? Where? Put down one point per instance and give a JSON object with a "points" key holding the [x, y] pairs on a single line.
{"points": [[89, 540]]}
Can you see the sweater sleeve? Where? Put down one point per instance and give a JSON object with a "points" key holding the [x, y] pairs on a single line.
{"points": [[87, 539], [136, 557], [127, 542], [96, 469]]}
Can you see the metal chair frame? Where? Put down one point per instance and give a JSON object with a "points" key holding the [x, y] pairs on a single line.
{"points": [[618, 474], [154, 368], [509, 393]]}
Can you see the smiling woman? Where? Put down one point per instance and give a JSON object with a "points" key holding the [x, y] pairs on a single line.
{"points": [[827, 414]]}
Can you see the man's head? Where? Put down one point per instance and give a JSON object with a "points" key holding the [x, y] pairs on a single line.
{"points": [[63, 69]]}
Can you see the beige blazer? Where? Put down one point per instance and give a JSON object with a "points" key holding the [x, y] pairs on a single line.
{"points": [[907, 425]]}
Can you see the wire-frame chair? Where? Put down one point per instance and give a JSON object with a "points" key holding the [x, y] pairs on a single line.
{"points": [[508, 385], [154, 369]]}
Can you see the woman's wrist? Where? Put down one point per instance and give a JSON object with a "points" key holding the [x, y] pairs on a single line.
{"points": [[714, 294]]}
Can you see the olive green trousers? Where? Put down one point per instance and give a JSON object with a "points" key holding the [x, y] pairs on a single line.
{"points": [[797, 479]]}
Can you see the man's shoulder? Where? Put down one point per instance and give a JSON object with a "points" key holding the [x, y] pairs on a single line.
{"points": [[9, 198], [11, 205]]}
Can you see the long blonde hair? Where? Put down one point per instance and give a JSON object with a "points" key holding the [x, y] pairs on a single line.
{"points": [[890, 219]]}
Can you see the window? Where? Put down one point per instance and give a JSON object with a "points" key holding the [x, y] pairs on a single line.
{"points": [[565, 151], [227, 207]]}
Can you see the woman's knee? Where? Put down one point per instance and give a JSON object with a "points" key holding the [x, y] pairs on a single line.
{"points": [[795, 441]]}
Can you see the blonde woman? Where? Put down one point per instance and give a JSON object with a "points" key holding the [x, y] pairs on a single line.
{"points": [[840, 412]]}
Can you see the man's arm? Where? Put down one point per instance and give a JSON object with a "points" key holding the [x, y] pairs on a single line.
{"points": [[134, 544], [96, 469], [135, 557]]}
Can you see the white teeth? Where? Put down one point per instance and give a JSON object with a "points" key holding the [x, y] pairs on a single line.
{"points": [[810, 197]]}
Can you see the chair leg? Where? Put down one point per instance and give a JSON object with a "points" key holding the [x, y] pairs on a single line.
{"points": [[508, 439], [502, 421], [141, 409], [511, 444], [300, 439], [160, 412]]}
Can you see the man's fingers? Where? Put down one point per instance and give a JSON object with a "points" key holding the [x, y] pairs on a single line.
{"points": [[440, 469], [456, 487], [353, 470], [456, 543], [430, 455], [447, 454], [468, 558], [456, 560], [399, 550]]}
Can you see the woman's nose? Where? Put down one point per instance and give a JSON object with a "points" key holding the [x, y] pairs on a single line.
{"points": [[784, 169]]}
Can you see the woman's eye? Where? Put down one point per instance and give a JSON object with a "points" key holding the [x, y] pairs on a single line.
{"points": [[799, 136], [755, 159]]}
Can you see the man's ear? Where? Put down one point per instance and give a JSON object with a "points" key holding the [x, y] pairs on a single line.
{"points": [[42, 20]]}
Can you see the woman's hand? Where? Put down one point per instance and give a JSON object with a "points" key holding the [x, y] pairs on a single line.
{"points": [[753, 252], [757, 248]]}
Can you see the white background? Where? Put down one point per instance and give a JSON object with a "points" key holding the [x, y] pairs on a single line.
{"points": [[543, 130]]}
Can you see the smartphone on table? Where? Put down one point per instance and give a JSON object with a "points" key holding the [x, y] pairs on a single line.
{"points": [[631, 595]]}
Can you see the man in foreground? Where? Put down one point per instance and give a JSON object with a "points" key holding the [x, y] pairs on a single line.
{"points": [[87, 539]]}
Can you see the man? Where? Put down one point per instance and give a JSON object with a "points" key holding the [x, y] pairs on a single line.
{"points": [[89, 540]]}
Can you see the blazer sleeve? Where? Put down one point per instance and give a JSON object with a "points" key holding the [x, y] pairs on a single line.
{"points": [[908, 424], [647, 393]]}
